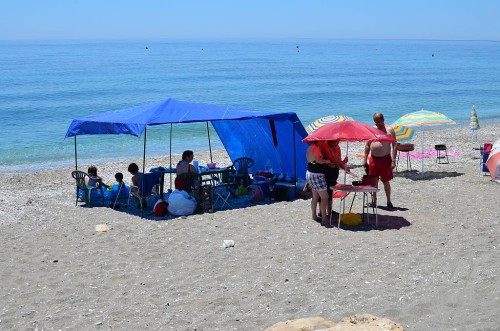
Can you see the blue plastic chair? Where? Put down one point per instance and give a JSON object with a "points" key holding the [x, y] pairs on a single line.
{"points": [[149, 186], [79, 176], [239, 174]]}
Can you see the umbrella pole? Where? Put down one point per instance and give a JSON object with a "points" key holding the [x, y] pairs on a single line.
{"points": [[422, 163], [209, 144], [294, 156], [346, 154], [76, 156]]}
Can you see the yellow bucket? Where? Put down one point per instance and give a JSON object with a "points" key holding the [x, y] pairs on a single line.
{"points": [[352, 219]]}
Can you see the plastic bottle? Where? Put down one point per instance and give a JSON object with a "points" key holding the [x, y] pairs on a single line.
{"points": [[272, 194], [269, 167]]}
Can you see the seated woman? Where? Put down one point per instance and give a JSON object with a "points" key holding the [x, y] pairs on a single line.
{"points": [[184, 165], [188, 178]]}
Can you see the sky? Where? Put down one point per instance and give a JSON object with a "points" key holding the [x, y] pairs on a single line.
{"points": [[242, 19]]}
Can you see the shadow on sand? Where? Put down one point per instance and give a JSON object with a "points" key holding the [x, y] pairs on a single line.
{"points": [[148, 213], [426, 175], [385, 222], [131, 210]]}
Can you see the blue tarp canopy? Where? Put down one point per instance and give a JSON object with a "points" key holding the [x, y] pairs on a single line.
{"points": [[269, 138]]}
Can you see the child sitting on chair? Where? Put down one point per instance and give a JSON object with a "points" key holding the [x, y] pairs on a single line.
{"points": [[119, 184], [119, 180], [93, 179], [118, 189]]}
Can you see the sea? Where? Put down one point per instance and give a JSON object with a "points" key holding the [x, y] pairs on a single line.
{"points": [[44, 85]]}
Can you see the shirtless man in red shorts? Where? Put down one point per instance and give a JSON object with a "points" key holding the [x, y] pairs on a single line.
{"points": [[383, 156]]}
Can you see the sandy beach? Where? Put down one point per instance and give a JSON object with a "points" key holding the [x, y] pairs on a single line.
{"points": [[432, 264]]}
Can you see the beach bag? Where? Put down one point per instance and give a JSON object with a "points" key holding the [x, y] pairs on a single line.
{"points": [[180, 203], [95, 195], [255, 193], [122, 191], [160, 208], [115, 191]]}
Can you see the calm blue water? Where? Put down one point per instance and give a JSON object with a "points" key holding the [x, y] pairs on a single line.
{"points": [[44, 85]]}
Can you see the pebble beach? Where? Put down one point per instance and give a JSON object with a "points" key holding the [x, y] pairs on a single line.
{"points": [[431, 264]]}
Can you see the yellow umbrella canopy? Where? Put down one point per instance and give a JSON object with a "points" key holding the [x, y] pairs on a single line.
{"points": [[403, 133], [326, 120]]}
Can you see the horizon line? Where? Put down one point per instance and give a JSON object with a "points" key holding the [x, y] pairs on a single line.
{"points": [[237, 39]]}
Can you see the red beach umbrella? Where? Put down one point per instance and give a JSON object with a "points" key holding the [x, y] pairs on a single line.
{"points": [[349, 131]]}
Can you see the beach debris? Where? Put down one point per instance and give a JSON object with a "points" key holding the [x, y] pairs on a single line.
{"points": [[29, 202], [310, 323], [103, 227], [228, 243], [358, 322]]}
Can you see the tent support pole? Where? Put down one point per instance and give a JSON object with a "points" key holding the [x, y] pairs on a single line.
{"points": [[170, 151], [76, 156], [143, 170], [209, 144], [294, 156]]}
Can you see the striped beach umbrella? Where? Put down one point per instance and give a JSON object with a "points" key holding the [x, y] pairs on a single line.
{"points": [[326, 120], [423, 118], [474, 122], [403, 133]]}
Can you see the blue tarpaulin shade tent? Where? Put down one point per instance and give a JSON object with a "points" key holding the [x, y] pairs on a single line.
{"points": [[269, 138]]}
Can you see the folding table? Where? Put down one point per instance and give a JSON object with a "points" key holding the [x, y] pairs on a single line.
{"points": [[365, 189]]}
